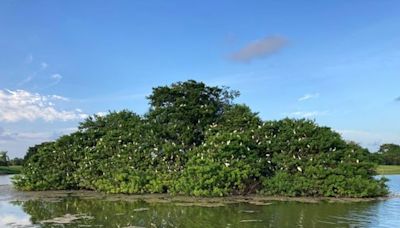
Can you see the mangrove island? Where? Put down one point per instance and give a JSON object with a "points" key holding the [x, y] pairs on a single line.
{"points": [[195, 140]]}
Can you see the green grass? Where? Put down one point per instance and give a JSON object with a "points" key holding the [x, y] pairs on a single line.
{"points": [[10, 170], [388, 169]]}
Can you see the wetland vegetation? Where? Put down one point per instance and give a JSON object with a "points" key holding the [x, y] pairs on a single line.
{"points": [[5, 170], [96, 209], [195, 140]]}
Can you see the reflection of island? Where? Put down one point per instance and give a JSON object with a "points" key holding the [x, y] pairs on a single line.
{"points": [[124, 213], [91, 208]]}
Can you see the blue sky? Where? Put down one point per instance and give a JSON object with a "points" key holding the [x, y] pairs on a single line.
{"points": [[337, 62]]}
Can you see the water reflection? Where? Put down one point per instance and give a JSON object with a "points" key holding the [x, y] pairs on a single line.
{"points": [[5, 179], [123, 214], [13, 216], [75, 211]]}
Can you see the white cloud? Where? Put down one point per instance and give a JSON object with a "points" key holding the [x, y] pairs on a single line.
{"points": [[101, 113], [259, 49], [17, 143], [22, 105], [308, 97], [371, 140], [6, 136], [44, 65], [56, 76], [57, 97], [301, 114]]}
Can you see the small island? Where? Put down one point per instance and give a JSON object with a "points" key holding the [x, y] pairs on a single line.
{"points": [[196, 141]]}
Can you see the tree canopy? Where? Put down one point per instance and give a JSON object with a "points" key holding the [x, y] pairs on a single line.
{"points": [[195, 140], [4, 159], [389, 154]]}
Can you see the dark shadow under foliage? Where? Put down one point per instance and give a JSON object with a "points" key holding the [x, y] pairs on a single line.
{"points": [[194, 140]]}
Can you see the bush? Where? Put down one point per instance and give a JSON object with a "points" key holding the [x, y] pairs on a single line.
{"points": [[196, 141]]}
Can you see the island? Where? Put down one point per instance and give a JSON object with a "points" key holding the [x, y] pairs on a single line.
{"points": [[196, 141]]}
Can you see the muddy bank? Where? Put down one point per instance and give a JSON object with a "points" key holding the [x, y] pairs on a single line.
{"points": [[166, 198]]}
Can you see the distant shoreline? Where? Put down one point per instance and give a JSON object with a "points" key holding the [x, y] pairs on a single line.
{"points": [[8, 170], [388, 169]]}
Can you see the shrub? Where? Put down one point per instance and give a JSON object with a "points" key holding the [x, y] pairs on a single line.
{"points": [[194, 140]]}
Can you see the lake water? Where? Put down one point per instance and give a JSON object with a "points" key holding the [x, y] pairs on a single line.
{"points": [[68, 209]]}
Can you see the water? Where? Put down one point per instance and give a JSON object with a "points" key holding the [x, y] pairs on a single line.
{"points": [[87, 209]]}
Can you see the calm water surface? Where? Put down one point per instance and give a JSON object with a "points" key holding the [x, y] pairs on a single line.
{"points": [[72, 211]]}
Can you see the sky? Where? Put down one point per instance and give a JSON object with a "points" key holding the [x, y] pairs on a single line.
{"points": [[336, 62]]}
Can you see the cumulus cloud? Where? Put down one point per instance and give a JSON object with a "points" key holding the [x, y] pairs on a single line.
{"points": [[310, 114], [259, 49], [22, 105], [17, 143], [308, 97], [397, 99], [6, 136], [101, 113]]}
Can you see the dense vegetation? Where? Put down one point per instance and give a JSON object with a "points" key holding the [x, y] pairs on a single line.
{"points": [[194, 140], [6, 170], [4, 159], [9, 166], [388, 169], [388, 154]]}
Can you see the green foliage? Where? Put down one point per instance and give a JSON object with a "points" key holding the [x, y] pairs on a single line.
{"points": [[181, 112], [16, 162], [6, 170], [4, 160], [388, 169], [317, 162], [33, 150], [388, 154], [194, 140], [223, 165]]}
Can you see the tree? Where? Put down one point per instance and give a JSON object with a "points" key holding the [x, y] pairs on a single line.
{"points": [[33, 150], [181, 112], [194, 140], [390, 154], [16, 161], [4, 160]]}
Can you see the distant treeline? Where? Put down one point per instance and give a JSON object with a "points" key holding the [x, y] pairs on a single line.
{"points": [[6, 161], [388, 154], [195, 140]]}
